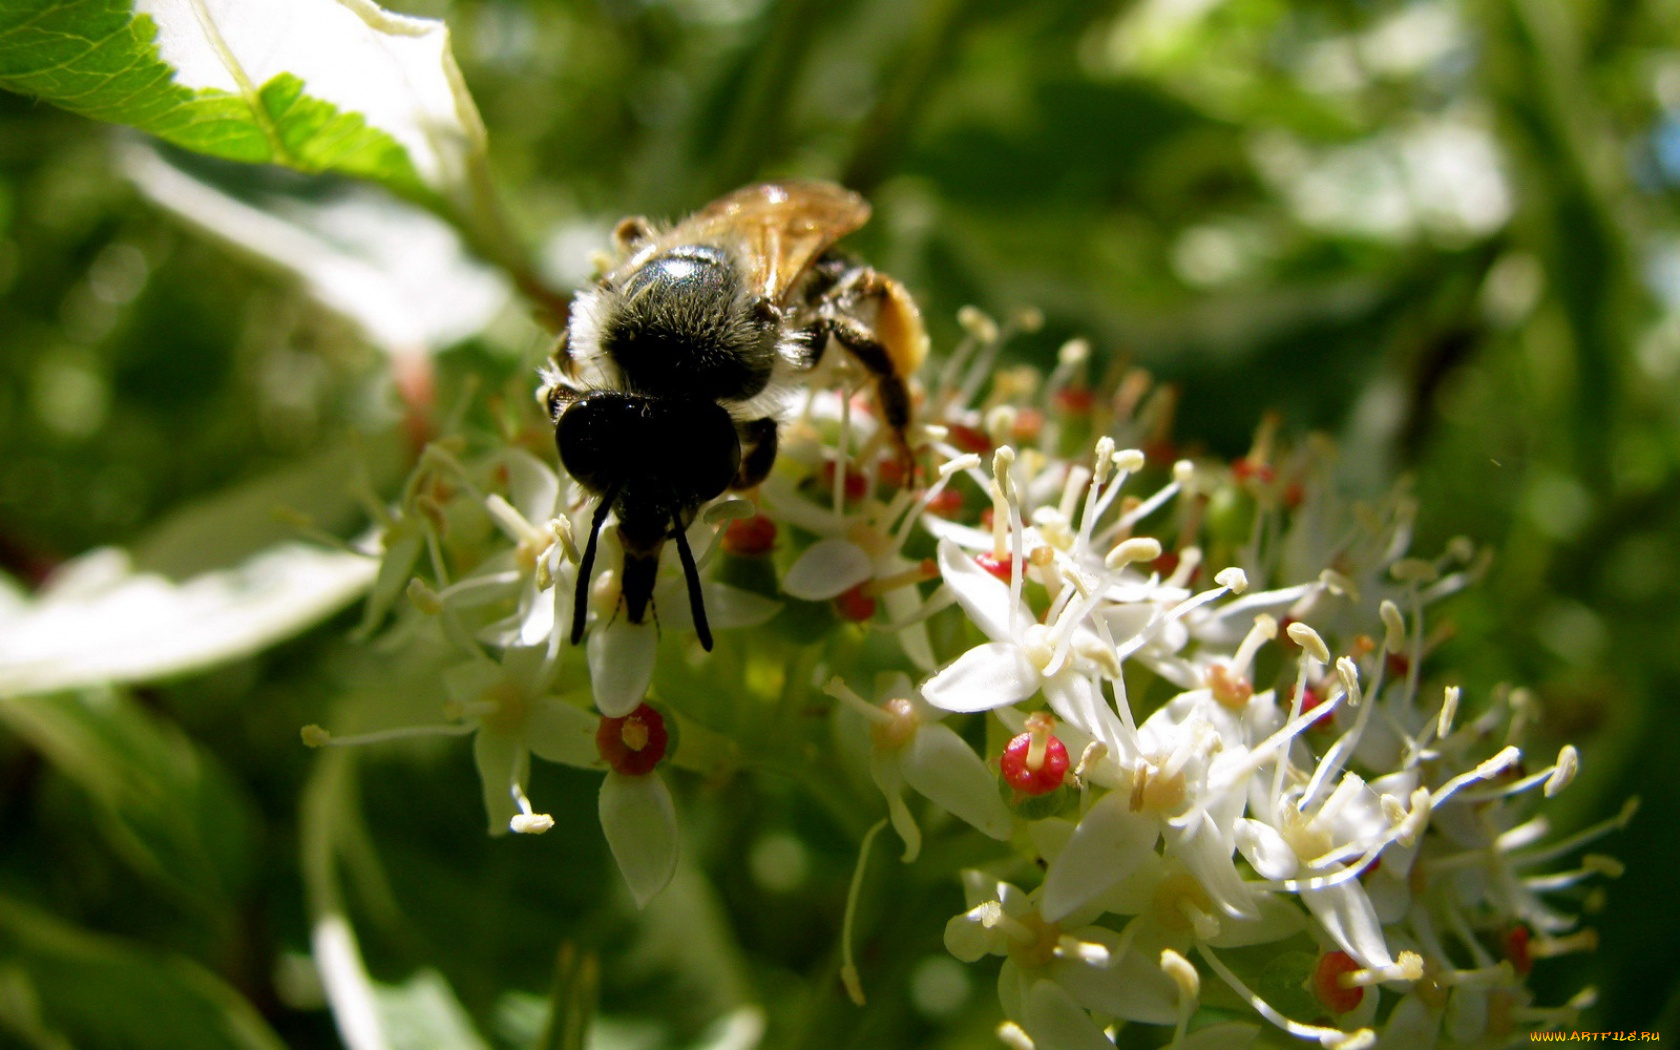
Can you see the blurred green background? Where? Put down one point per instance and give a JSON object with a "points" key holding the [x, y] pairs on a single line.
{"points": [[1443, 231]]}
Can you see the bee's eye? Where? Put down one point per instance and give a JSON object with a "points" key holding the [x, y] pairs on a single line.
{"points": [[702, 450], [598, 436]]}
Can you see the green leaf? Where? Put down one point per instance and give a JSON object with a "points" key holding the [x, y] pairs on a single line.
{"points": [[96, 992], [168, 809], [318, 85], [422, 1013]]}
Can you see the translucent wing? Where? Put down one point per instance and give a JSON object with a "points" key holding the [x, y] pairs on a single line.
{"points": [[777, 228]]}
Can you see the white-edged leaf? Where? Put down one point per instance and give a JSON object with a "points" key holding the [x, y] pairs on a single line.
{"points": [[394, 270], [118, 625], [317, 85]]}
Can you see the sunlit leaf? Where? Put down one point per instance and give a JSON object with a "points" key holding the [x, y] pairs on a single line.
{"points": [[423, 1013], [317, 85]]}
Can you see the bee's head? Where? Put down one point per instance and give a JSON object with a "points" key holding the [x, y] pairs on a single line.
{"points": [[654, 460], [673, 453]]}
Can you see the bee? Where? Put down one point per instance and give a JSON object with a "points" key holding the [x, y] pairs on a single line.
{"points": [[666, 386]]}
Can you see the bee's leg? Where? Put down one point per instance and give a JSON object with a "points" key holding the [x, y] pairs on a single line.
{"points": [[890, 389], [632, 233], [758, 452]]}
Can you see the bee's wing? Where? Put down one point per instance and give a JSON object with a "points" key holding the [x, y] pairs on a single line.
{"points": [[780, 228]]}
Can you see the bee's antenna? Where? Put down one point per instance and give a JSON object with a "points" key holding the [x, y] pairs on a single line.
{"points": [[692, 574], [580, 609]]}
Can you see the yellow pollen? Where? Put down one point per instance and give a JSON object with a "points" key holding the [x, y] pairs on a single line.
{"points": [[1304, 834], [1178, 899], [1038, 647], [1231, 691], [1158, 792], [895, 734], [635, 733], [1041, 949]]}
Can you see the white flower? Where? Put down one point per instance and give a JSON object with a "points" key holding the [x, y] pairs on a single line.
{"points": [[621, 653], [909, 746], [1022, 658]]}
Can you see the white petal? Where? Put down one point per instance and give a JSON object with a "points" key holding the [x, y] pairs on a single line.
{"points": [[1278, 920], [143, 626], [903, 603], [939, 764], [883, 768], [1265, 849], [967, 938], [1346, 914], [1053, 1019], [1467, 1015], [640, 823], [729, 607], [498, 757], [983, 596], [1208, 854], [1132, 986], [559, 732], [533, 489], [1079, 703], [1108, 844], [828, 569], [1228, 1035], [621, 665], [987, 676], [1411, 1024]]}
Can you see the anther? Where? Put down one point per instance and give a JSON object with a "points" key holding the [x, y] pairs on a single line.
{"points": [[1394, 638], [1136, 549], [1310, 641]]}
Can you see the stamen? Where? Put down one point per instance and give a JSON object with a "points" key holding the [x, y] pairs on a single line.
{"points": [[1136, 549], [1189, 560], [1449, 711], [1088, 952], [1264, 630], [1494, 766], [1327, 1037], [527, 821], [1310, 641], [848, 965], [1580, 838], [424, 598], [1014, 1037], [1338, 584], [837, 688], [1189, 984], [316, 736], [1394, 638]]}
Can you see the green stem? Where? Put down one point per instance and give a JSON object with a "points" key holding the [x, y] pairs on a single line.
{"points": [[908, 80], [756, 130], [481, 220]]}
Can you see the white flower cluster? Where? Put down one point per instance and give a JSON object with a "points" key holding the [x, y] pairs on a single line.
{"points": [[1240, 795]]}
